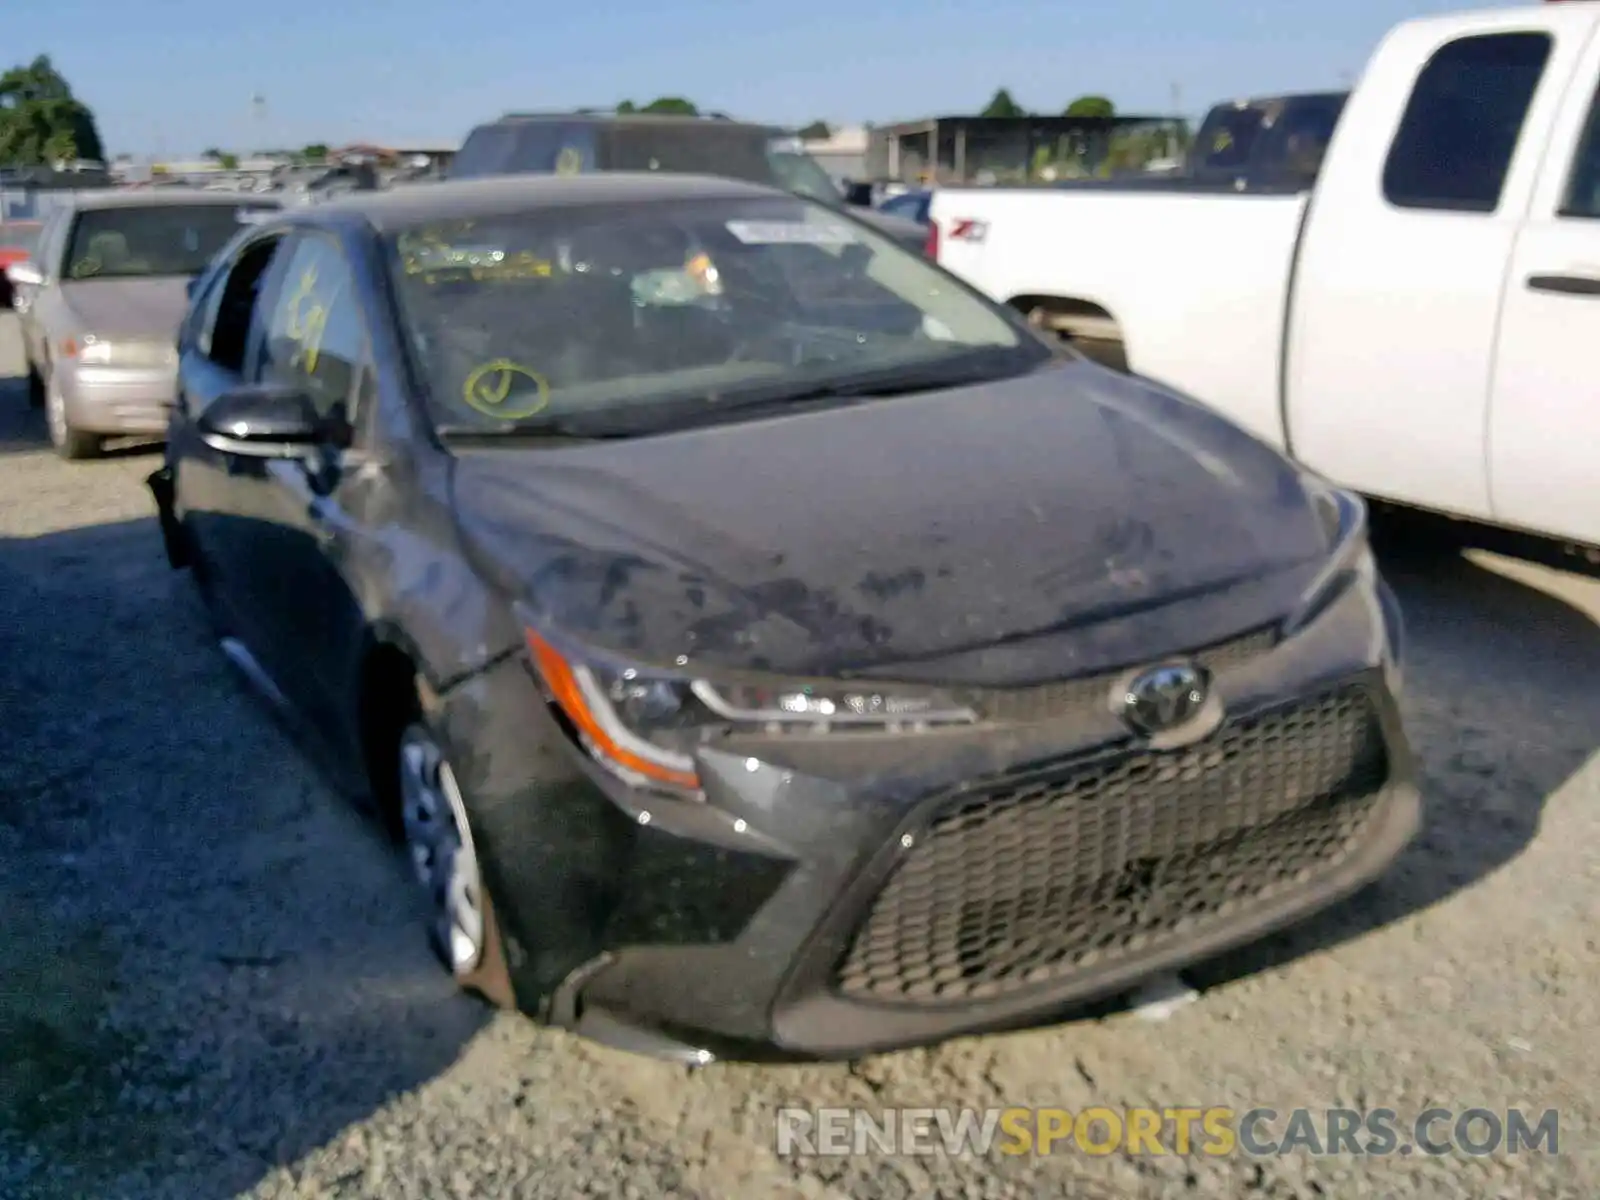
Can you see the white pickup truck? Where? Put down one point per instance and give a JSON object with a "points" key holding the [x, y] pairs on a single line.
{"points": [[1421, 325]]}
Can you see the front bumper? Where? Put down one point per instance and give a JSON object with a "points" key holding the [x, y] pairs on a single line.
{"points": [[839, 896], [129, 401]]}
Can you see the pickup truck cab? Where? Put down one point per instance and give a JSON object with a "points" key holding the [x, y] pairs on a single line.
{"points": [[1416, 325]]}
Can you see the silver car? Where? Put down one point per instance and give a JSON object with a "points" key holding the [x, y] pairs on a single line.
{"points": [[100, 302]]}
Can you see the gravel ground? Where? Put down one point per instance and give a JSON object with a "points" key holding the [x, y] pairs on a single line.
{"points": [[212, 982]]}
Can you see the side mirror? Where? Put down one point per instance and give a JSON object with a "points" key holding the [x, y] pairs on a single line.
{"points": [[268, 420], [25, 274]]}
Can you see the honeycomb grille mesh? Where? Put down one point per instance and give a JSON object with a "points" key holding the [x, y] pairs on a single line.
{"points": [[1033, 881]]}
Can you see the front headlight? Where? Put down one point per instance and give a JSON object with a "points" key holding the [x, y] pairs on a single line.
{"points": [[644, 724], [1344, 518]]}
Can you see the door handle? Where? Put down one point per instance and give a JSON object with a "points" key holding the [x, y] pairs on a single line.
{"points": [[1566, 285]]}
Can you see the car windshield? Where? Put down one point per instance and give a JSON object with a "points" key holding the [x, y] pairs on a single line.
{"points": [[679, 308], [128, 241], [1228, 136]]}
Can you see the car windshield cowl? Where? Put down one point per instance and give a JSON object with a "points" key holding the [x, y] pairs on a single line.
{"points": [[984, 365]]}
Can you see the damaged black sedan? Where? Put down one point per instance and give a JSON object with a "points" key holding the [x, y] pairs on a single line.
{"points": [[757, 638]]}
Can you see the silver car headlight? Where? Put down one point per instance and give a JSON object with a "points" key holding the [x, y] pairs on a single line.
{"points": [[643, 724]]}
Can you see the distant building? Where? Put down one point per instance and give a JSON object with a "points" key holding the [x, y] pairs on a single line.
{"points": [[1005, 149], [843, 154]]}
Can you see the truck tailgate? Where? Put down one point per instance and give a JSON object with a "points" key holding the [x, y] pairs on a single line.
{"points": [[1196, 284]]}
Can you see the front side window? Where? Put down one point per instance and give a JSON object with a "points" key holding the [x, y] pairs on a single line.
{"points": [[128, 241], [228, 311], [1463, 121], [316, 337], [567, 311]]}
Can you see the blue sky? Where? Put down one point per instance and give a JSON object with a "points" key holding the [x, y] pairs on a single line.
{"points": [[176, 76]]}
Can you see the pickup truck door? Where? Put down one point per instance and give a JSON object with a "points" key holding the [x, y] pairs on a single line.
{"points": [[1398, 287], [1544, 427]]}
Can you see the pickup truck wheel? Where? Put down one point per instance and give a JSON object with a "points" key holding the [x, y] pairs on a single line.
{"points": [[71, 443], [438, 840]]}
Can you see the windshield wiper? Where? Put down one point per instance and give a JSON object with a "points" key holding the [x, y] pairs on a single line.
{"points": [[689, 411], [565, 427], [979, 366]]}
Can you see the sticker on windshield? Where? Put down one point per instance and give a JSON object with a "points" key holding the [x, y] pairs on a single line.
{"points": [[791, 233]]}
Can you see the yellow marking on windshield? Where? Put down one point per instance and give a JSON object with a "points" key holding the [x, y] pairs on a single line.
{"points": [[488, 389]]}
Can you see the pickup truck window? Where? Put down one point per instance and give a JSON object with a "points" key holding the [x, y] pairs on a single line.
{"points": [[1583, 184], [1463, 121]]}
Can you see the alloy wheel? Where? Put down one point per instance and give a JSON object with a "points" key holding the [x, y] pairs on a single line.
{"points": [[439, 841]]}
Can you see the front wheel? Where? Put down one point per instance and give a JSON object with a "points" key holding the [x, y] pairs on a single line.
{"points": [[438, 839]]}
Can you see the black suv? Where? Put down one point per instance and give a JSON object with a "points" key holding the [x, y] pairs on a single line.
{"points": [[569, 143]]}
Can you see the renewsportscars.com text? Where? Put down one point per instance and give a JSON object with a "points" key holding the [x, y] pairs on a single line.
{"points": [[1215, 1131]]}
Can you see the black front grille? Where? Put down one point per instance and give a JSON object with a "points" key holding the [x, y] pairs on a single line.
{"points": [[1038, 879]]}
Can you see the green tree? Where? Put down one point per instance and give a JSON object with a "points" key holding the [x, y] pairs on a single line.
{"points": [[1091, 106], [228, 162], [41, 121], [675, 106], [315, 153], [817, 131], [627, 106], [1002, 105], [212, 155]]}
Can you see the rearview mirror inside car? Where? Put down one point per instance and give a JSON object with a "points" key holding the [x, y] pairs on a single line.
{"points": [[267, 420]]}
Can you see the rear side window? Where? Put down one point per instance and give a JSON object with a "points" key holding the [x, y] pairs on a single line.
{"points": [[1462, 123], [526, 147], [1583, 183], [486, 151]]}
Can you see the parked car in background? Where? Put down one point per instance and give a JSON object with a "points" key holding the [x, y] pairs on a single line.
{"points": [[568, 143], [757, 636], [100, 300], [17, 242], [1417, 327], [913, 206]]}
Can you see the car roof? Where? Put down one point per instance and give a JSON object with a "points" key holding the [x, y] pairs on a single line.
{"points": [[162, 197], [707, 120], [466, 199]]}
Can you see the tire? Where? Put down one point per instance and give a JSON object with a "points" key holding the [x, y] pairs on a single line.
{"points": [[438, 839], [35, 387], [70, 443]]}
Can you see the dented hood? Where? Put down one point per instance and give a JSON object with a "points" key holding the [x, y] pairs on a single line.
{"points": [[1063, 521]]}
